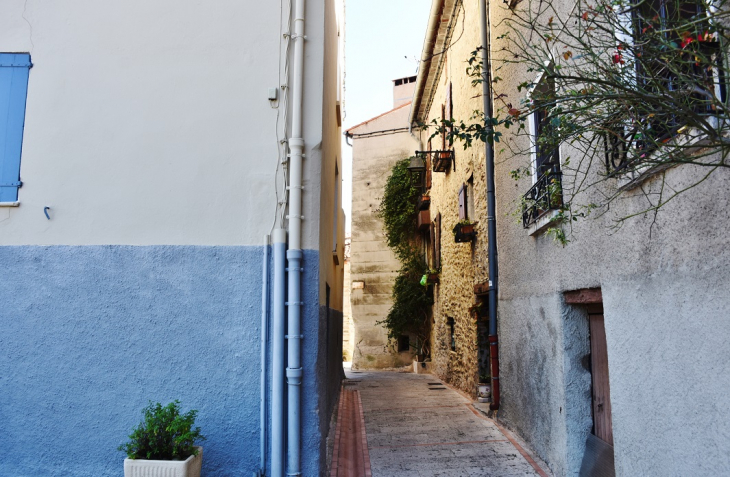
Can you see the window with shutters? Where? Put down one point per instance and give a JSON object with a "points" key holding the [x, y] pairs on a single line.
{"points": [[14, 68], [463, 208]]}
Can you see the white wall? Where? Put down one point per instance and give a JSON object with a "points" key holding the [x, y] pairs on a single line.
{"points": [[148, 122]]}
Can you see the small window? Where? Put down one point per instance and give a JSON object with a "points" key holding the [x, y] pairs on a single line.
{"points": [[14, 68], [450, 322], [404, 343]]}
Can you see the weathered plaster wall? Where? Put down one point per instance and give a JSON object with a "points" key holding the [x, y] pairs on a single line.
{"points": [[145, 119], [372, 261], [462, 264], [663, 285], [348, 331], [331, 217], [91, 334]]}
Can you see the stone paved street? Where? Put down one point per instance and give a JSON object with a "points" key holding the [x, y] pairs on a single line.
{"points": [[417, 427]]}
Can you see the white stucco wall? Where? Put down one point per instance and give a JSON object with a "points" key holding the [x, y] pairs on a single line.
{"points": [[149, 123]]}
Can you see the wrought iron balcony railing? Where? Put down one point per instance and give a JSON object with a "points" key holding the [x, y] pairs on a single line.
{"points": [[544, 196], [441, 161]]}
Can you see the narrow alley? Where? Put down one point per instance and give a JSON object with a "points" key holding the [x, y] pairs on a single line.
{"points": [[416, 426]]}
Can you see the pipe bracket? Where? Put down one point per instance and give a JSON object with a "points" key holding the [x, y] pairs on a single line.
{"points": [[294, 303], [295, 269], [294, 337]]}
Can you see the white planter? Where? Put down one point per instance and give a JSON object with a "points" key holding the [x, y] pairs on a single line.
{"points": [[189, 467], [484, 392]]}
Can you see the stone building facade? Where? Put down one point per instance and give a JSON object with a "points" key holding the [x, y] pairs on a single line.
{"points": [[457, 333], [377, 145], [649, 298]]}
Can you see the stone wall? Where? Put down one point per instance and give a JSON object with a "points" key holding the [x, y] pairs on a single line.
{"points": [[463, 264], [373, 265]]}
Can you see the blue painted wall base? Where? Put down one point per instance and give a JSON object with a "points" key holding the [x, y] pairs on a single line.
{"points": [[92, 333]]}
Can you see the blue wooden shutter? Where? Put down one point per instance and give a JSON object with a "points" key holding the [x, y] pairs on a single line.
{"points": [[13, 91]]}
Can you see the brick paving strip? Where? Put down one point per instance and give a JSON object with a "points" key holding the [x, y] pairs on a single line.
{"points": [[415, 431], [350, 457]]}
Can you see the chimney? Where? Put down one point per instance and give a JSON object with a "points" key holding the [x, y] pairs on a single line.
{"points": [[403, 89]]}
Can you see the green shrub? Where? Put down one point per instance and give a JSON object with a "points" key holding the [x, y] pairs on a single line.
{"points": [[164, 434]]}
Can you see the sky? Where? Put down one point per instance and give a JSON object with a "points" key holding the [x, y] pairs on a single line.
{"points": [[383, 42]]}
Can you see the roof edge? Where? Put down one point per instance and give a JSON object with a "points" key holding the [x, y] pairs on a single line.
{"points": [[378, 116]]}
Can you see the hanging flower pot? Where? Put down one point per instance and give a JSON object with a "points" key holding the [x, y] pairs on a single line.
{"points": [[464, 232]]}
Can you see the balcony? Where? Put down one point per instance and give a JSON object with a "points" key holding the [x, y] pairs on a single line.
{"points": [[546, 195], [442, 161]]}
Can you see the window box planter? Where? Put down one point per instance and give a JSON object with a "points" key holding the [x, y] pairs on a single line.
{"points": [[442, 161], [189, 467], [464, 233], [424, 202], [424, 220], [429, 279]]}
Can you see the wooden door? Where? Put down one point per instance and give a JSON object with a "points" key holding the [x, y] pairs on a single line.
{"points": [[602, 427]]}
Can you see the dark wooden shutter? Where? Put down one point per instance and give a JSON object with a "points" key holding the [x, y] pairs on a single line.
{"points": [[443, 136], [437, 242], [449, 104], [462, 202], [428, 166]]}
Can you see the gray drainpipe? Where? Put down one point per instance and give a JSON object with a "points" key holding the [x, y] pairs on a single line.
{"points": [[491, 214]]}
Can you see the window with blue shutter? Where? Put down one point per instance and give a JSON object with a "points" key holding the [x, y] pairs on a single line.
{"points": [[13, 91]]}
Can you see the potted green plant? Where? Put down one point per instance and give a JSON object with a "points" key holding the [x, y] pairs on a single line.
{"points": [[164, 444], [430, 277], [464, 231]]}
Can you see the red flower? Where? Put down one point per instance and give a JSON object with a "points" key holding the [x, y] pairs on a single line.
{"points": [[618, 59]]}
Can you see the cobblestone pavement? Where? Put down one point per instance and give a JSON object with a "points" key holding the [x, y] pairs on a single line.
{"points": [[417, 427]]}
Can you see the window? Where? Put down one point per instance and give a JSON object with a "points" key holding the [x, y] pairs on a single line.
{"points": [[546, 193], [690, 76], [404, 343], [14, 68], [452, 333], [676, 57]]}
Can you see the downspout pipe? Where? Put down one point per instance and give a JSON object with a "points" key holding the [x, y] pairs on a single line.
{"points": [[264, 354], [277, 354], [294, 254], [491, 208]]}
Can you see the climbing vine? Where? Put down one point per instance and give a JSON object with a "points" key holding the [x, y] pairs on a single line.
{"points": [[411, 302]]}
